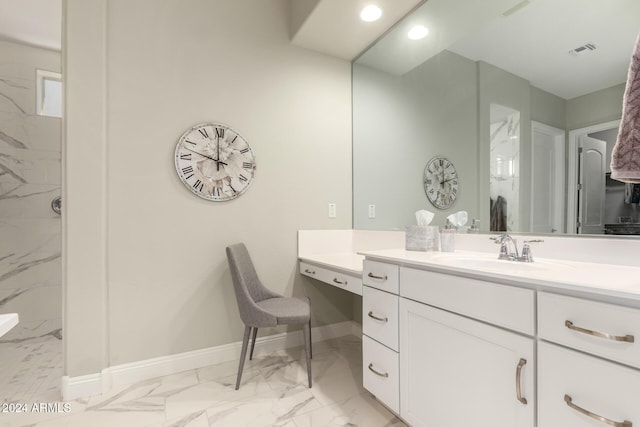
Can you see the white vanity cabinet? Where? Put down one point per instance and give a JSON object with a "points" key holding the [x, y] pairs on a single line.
{"points": [[524, 345], [606, 330], [579, 390], [381, 276], [380, 316], [380, 363], [575, 387], [456, 371]]}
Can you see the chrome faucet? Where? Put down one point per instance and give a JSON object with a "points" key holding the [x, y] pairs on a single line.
{"points": [[509, 248], [505, 240]]}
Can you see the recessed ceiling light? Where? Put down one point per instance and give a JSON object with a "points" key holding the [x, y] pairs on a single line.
{"points": [[371, 13], [418, 32]]}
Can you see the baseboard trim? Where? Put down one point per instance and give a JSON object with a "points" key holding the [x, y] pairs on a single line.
{"points": [[81, 386], [128, 373]]}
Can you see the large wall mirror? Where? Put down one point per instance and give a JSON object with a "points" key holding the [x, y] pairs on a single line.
{"points": [[523, 97]]}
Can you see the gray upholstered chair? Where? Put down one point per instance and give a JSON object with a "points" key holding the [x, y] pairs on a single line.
{"points": [[260, 308]]}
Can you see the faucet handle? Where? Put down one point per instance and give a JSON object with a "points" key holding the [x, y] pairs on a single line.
{"points": [[499, 239], [503, 240], [526, 250]]}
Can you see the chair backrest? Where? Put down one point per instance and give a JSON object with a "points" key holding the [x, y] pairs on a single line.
{"points": [[246, 284]]}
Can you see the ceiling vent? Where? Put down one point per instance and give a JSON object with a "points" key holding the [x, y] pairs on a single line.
{"points": [[581, 50]]}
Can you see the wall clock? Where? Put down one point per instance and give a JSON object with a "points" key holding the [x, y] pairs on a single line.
{"points": [[215, 162], [441, 182]]}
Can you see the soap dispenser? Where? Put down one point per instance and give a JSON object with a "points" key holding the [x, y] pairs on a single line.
{"points": [[448, 238]]}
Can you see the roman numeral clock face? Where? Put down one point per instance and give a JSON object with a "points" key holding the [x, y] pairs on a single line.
{"points": [[441, 182], [215, 162]]}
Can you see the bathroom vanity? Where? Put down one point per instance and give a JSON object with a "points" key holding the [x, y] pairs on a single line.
{"points": [[465, 340], [456, 339]]}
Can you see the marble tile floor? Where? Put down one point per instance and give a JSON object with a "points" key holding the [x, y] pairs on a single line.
{"points": [[30, 370], [273, 393]]}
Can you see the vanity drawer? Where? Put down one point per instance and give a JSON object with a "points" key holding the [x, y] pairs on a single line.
{"points": [[381, 373], [380, 316], [337, 279], [502, 305], [606, 330], [380, 275], [600, 387]]}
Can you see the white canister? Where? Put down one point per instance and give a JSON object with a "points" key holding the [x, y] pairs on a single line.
{"points": [[448, 239]]}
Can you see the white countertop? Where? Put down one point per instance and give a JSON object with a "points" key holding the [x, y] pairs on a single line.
{"points": [[7, 322], [602, 269], [601, 279]]}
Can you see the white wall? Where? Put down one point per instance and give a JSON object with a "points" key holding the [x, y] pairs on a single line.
{"points": [[594, 108], [161, 283]]}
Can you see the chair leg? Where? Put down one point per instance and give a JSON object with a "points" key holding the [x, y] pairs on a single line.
{"points": [[245, 342], [307, 349], [253, 342], [310, 342]]}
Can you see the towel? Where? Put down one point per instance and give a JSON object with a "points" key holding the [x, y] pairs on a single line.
{"points": [[625, 158], [498, 221]]}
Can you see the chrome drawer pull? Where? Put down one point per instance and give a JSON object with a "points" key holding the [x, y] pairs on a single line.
{"points": [[521, 399], [335, 280], [373, 276], [385, 375], [306, 270], [627, 338], [607, 421], [382, 319]]}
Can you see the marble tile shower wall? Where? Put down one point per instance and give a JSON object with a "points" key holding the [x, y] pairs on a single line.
{"points": [[30, 176]]}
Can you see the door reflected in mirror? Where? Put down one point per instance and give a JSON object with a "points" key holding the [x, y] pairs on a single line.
{"points": [[547, 179]]}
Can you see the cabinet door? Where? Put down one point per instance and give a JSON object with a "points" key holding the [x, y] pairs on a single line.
{"points": [[380, 275], [606, 330], [456, 372], [380, 316], [579, 390], [332, 277], [380, 373]]}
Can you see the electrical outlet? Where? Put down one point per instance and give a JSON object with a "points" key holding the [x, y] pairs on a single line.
{"points": [[372, 211], [332, 210]]}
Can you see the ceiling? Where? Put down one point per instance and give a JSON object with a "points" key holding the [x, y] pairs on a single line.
{"points": [[329, 26], [447, 20], [535, 41], [529, 38], [32, 22], [334, 26]]}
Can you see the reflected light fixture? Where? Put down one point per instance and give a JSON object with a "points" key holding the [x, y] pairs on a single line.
{"points": [[418, 32], [371, 13]]}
